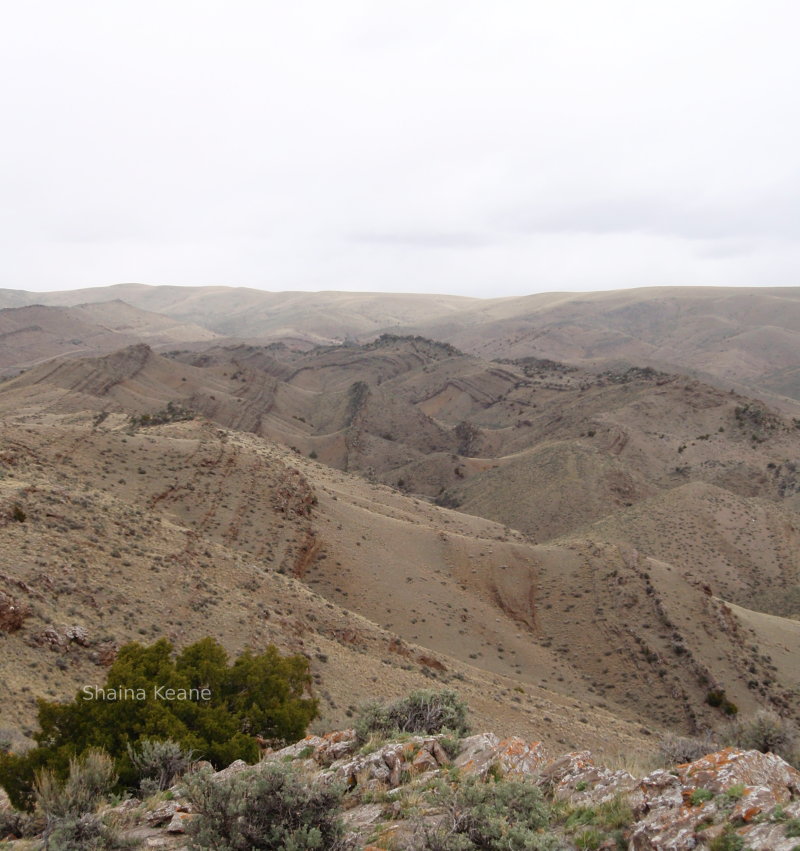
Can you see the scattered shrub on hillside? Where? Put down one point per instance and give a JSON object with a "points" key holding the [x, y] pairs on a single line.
{"points": [[357, 395], [448, 499], [173, 413], [263, 694], [507, 815], [158, 763], [718, 699], [467, 435], [422, 711], [391, 339], [18, 515], [767, 732], [678, 749], [270, 807], [12, 616]]}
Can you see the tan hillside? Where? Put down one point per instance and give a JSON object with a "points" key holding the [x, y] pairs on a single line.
{"points": [[749, 548], [747, 336], [421, 416], [536, 446], [189, 526], [185, 530], [30, 335], [740, 337], [242, 312], [587, 553]]}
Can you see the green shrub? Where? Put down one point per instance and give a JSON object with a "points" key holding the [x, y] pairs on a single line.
{"points": [[581, 816], [593, 823], [269, 807], [700, 796], [735, 792], [491, 816], [158, 763], [728, 840], [615, 814], [424, 711], [262, 694], [589, 839], [451, 744]]}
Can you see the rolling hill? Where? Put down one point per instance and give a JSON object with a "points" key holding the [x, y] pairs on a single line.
{"points": [[746, 338], [30, 335], [615, 531], [587, 550]]}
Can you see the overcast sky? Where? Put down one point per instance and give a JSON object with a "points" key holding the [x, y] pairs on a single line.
{"points": [[483, 148]]}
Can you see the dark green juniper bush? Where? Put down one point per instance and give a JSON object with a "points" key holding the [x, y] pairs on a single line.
{"points": [[195, 699]]}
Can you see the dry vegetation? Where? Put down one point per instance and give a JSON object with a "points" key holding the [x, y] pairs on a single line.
{"points": [[625, 549]]}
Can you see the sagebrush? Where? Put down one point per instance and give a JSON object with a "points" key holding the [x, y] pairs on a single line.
{"points": [[271, 807], [427, 712], [507, 815], [159, 763], [767, 732]]}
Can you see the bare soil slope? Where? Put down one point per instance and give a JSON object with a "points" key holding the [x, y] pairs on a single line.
{"points": [[30, 335], [662, 462], [186, 530], [137, 523]]}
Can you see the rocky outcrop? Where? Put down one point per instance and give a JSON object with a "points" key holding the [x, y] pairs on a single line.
{"points": [[392, 764], [512, 757], [574, 777], [722, 791], [61, 638], [324, 750], [719, 771], [728, 799]]}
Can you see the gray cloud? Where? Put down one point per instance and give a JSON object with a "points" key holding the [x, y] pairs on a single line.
{"points": [[453, 146], [422, 239], [777, 215]]}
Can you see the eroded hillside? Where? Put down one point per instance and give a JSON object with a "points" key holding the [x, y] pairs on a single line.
{"points": [[622, 560], [115, 531]]}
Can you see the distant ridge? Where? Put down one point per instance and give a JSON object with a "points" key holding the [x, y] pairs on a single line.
{"points": [[745, 338]]}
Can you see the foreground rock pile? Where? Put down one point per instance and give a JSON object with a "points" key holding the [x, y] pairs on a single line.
{"points": [[731, 799]]}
